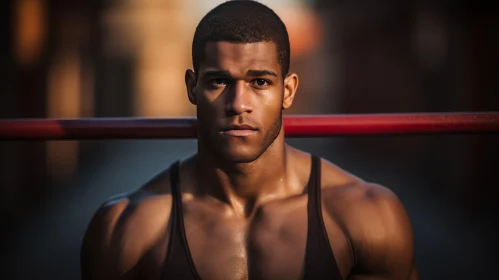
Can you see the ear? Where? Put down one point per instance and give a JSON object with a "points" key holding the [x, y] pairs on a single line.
{"points": [[290, 86], [190, 83]]}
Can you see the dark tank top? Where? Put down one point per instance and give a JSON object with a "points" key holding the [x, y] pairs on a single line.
{"points": [[319, 258]]}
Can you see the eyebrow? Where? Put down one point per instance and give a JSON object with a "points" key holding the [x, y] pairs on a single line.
{"points": [[226, 74], [217, 73], [257, 73]]}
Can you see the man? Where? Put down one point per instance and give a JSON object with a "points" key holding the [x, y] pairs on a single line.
{"points": [[247, 205]]}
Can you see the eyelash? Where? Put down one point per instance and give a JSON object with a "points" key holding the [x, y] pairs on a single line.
{"points": [[214, 81], [222, 81], [267, 83]]}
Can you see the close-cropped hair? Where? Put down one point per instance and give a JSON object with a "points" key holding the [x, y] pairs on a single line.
{"points": [[241, 21]]}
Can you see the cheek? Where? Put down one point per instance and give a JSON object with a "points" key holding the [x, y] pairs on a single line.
{"points": [[206, 98], [272, 102], [210, 102], [274, 96]]}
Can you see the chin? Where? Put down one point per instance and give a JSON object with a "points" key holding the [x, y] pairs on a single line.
{"points": [[240, 155]]}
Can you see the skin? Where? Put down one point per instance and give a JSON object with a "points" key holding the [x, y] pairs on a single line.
{"points": [[243, 196]]}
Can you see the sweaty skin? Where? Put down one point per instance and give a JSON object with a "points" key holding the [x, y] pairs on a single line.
{"points": [[244, 205]]}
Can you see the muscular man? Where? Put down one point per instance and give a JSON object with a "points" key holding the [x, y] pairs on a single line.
{"points": [[247, 205]]}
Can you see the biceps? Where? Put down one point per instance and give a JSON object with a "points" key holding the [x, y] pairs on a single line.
{"points": [[102, 257], [391, 275], [100, 268], [414, 274], [94, 261], [388, 260], [386, 247], [103, 262]]}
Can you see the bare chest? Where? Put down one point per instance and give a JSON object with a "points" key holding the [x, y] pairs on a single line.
{"points": [[272, 245]]}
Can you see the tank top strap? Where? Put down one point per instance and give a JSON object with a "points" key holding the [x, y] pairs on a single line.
{"points": [[178, 261], [319, 258]]}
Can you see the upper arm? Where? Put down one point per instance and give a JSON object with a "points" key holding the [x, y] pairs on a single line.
{"points": [[101, 256], [124, 229], [382, 238], [121, 234]]}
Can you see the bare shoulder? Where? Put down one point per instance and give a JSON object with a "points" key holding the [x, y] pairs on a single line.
{"points": [[375, 221], [353, 195], [363, 205], [124, 228]]}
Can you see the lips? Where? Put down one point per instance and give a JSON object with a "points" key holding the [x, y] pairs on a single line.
{"points": [[239, 127], [239, 130]]}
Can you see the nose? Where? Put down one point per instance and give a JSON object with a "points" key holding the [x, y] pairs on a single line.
{"points": [[238, 99]]}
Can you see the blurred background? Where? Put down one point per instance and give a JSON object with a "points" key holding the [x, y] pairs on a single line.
{"points": [[126, 58]]}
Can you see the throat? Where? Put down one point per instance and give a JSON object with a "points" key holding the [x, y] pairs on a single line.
{"points": [[246, 205], [246, 187], [243, 208], [245, 192]]}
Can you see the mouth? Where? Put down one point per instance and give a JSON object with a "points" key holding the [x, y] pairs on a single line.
{"points": [[239, 130]]}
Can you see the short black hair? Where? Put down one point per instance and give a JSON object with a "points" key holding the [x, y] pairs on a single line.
{"points": [[242, 21]]}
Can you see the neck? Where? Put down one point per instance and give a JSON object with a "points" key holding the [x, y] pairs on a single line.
{"points": [[244, 186]]}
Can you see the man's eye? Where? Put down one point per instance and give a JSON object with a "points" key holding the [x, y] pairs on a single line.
{"points": [[260, 82], [218, 82]]}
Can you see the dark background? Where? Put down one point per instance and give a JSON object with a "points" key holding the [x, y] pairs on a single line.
{"points": [[74, 59]]}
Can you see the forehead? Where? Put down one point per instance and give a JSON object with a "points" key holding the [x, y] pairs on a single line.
{"points": [[240, 57]]}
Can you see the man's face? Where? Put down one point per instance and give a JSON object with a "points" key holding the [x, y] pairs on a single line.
{"points": [[239, 98]]}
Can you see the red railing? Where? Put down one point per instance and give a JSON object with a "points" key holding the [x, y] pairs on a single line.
{"points": [[294, 125]]}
